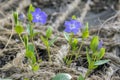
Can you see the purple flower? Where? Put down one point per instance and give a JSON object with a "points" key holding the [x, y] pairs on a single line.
{"points": [[21, 17], [39, 16], [72, 26], [100, 44]]}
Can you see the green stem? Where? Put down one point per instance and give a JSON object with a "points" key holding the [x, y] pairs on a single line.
{"points": [[35, 49], [88, 72], [22, 40], [48, 50], [79, 49]]}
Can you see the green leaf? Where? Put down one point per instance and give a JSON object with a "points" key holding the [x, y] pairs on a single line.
{"points": [[66, 35], [45, 41], [15, 15], [51, 42], [85, 33], [30, 30], [94, 43], [88, 56], [62, 76], [31, 47], [25, 39], [19, 29], [100, 62], [30, 17], [26, 78], [74, 44], [102, 53], [30, 53], [35, 67], [49, 32], [74, 17], [31, 9], [81, 77]]}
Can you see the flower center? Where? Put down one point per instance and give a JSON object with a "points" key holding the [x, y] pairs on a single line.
{"points": [[38, 17], [72, 26]]}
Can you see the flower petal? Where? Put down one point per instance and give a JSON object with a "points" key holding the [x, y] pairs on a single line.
{"points": [[75, 31]]}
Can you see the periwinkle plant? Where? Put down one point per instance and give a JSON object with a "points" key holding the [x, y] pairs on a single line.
{"points": [[72, 27], [94, 54], [33, 16]]}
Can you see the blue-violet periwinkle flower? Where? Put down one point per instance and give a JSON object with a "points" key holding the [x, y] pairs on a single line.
{"points": [[72, 26], [100, 44], [39, 16]]}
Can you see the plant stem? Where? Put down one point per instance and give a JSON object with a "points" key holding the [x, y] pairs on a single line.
{"points": [[79, 49], [87, 74], [35, 49], [48, 50], [22, 40]]}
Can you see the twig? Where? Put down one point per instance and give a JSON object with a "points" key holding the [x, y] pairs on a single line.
{"points": [[84, 12]]}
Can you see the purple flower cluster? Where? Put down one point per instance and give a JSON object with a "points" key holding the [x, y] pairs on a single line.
{"points": [[72, 26], [39, 16]]}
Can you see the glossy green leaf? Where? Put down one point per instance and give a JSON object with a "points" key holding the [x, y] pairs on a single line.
{"points": [[62, 76], [49, 32], [94, 43], [66, 35], [19, 29], [85, 33], [81, 77], [100, 62], [15, 16]]}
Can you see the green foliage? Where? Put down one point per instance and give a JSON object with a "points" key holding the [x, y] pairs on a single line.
{"points": [[85, 32], [74, 44], [29, 15], [74, 17], [48, 42], [62, 76], [25, 39], [35, 67], [81, 77], [15, 16], [94, 43], [101, 53], [30, 53], [100, 62], [66, 35], [94, 59], [51, 42], [19, 29], [48, 32], [30, 31]]}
